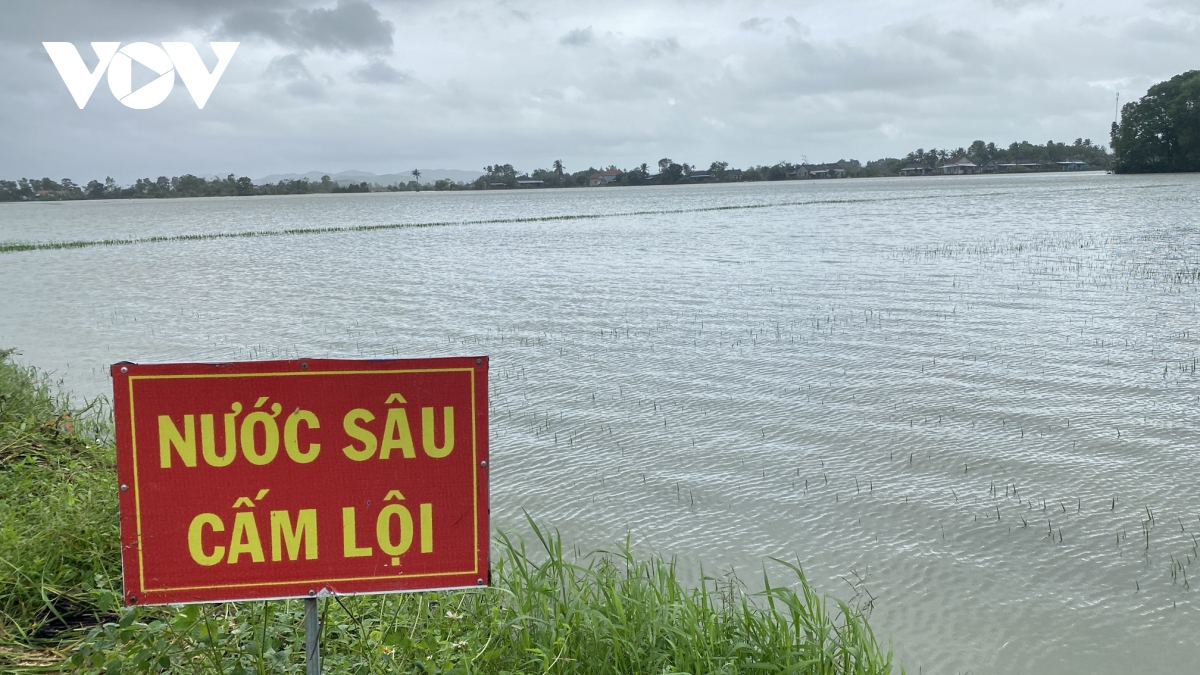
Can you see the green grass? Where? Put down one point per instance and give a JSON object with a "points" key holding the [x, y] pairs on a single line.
{"points": [[57, 514], [546, 612]]}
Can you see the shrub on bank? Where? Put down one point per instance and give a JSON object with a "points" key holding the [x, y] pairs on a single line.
{"points": [[546, 612]]}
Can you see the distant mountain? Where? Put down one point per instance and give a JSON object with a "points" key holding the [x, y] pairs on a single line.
{"points": [[428, 176]]}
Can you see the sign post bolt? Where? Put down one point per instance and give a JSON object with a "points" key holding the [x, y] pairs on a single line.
{"points": [[312, 628]]}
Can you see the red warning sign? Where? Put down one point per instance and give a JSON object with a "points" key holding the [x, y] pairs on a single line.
{"points": [[288, 478]]}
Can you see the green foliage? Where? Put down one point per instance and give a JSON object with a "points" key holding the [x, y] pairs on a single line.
{"points": [[608, 613], [497, 175], [669, 172], [603, 614], [1161, 132], [58, 518], [186, 185], [1155, 142], [1045, 156], [353, 187]]}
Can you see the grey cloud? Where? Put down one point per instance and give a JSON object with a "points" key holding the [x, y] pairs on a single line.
{"points": [[308, 89], [896, 67], [653, 77], [756, 24], [1016, 4], [577, 37], [656, 48], [352, 25], [1187, 6], [796, 25], [1150, 30], [958, 44], [253, 21], [295, 76], [288, 67], [86, 20], [942, 52], [379, 72]]}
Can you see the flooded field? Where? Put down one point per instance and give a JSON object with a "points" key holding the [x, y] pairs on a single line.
{"points": [[967, 402]]}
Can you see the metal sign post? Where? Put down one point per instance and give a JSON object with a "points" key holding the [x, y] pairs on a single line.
{"points": [[312, 638]]}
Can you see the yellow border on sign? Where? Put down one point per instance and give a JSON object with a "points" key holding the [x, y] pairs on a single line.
{"points": [[137, 488], [137, 494], [308, 581]]}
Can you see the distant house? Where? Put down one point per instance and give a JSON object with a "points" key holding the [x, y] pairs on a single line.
{"points": [[1019, 165], [916, 170], [821, 171], [959, 166], [702, 177], [990, 167], [733, 174], [495, 185], [527, 182], [1073, 165], [607, 177]]}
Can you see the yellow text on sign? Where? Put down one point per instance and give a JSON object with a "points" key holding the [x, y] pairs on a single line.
{"points": [[290, 536], [259, 436]]}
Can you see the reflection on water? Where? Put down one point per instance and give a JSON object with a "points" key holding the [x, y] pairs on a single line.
{"points": [[977, 394]]}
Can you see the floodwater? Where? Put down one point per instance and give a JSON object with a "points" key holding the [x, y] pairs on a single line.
{"points": [[973, 398]]}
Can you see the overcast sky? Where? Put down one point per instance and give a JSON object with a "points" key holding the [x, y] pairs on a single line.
{"points": [[387, 86]]}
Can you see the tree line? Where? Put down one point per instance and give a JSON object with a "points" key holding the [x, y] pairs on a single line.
{"points": [[187, 185], [980, 153], [665, 172]]}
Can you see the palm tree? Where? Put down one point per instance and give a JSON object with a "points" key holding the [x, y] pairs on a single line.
{"points": [[558, 167], [416, 173]]}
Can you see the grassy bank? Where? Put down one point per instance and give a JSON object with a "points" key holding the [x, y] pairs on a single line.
{"points": [[548, 611]]}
